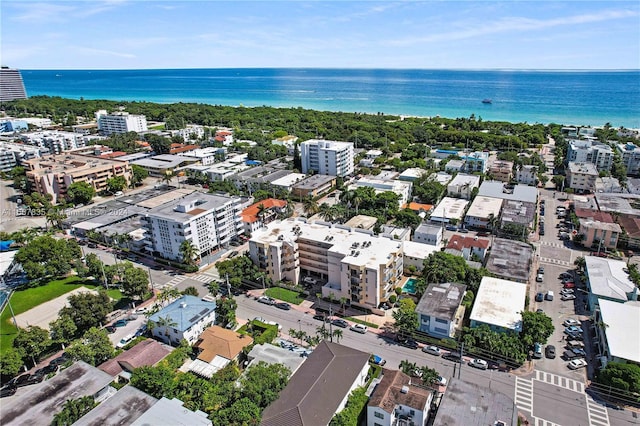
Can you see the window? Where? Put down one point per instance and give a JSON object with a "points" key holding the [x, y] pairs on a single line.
{"points": [[441, 321], [378, 415], [412, 413]]}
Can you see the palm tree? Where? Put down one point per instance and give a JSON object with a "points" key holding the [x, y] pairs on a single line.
{"points": [[167, 177], [55, 218], [492, 221], [580, 263], [189, 252], [326, 212], [261, 213], [310, 206], [337, 333], [343, 301]]}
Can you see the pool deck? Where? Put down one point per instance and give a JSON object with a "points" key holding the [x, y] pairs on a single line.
{"points": [[404, 280]]}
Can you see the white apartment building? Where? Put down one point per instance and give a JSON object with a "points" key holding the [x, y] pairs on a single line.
{"points": [[189, 133], [185, 318], [120, 122], [527, 174], [462, 186], [13, 154], [327, 157], [587, 151], [630, 157], [354, 263], [206, 156], [7, 160], [11, 85], [208, 221], [398, 187], [54, 140], [582, 176]]}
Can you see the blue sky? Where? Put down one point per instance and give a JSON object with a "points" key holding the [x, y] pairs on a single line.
{"points": [[343, 34]]}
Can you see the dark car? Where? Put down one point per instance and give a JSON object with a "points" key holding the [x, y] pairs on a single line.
{"points": [[60, 360], [233, 254], [82, 243], [452, 356], [570, 355], [407, 343], [482, 234], [110, 329], [8, 391], [550, 351], [463, 230], [22, 380], [321, 317], [92, 245], [120, 323], [340, 323], [451, 228], [284, 306], [539, 297]]}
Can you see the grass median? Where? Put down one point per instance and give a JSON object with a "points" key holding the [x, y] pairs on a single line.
{"points": [[285, 295]]}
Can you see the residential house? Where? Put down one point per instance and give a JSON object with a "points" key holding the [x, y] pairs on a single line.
{"points": [[427, 233], [527, 174], [462, 186], [476, 162], [497, 189], [631, 226], [216, 348], [482, 212], [172, 412], [411, 174], [598, 234], [581, 177], [272, 354], [123, 408], [469, 247], [608, 279], [439, 310], [146, 353], [454, 166], [419, 208], [449, 210], [615, 323], [501, 170], [329, 375], [313, 186], [185, 318], [510, 259], [401, 188], [396, 400], [261, 213], [414, 254], [609, 184], [499, 304], [518, 213]]}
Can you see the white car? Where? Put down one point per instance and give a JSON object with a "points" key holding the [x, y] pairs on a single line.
{"points": [[570, 321], [568, 297], [577, 363], [309, 280], [433, 350], [479, 363], [359, 328], [440, 381]]}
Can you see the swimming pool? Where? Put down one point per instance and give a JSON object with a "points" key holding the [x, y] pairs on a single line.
{"points": [[410, 286]]}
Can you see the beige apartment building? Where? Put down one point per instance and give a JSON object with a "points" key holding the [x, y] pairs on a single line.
{"points": [[501, 170], [54, 174]]}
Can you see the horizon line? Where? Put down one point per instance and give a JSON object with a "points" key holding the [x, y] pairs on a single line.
{"points": [[344, 68]]}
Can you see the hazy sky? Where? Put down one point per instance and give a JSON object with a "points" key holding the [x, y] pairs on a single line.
{"points": [[344, 34]]}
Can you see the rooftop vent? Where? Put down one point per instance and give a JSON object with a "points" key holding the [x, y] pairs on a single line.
{"points": [[404, 389], [183, 305]]}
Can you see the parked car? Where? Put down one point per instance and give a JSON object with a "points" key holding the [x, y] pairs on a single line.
{"points": [[233, 254], [537, 351], [576, 364], [566, 291], [539, 296], [575, 344], [479, 363], [482, 234], [539, 278], [463, 231], [440, 381], [569, 285], [550, 351], [120, 323], [571, 322], [571, 354], [340, 323], [407, 343], [266, 300], [310, 280], [541, 270], [284, 306], [451, 228], [565, 275], [8, 391], [575, 335], [378, 360], [433, 350], [566, 297], [452, 356], [573, 329], [549, 295], [321, 317], [92, 245], [358, 328], [110, 329]]}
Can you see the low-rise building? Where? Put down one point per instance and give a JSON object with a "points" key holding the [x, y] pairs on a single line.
{"points": [[608, 279], [454, 166], [172, 412], [462, 186], [421, 209], [362, 221], [146, 353], [329, 374], [476, 162], [499, 304], [159, 166], [598, 234], [55, 141], [497, 189], [120, 122], [206, 156], [396, 400], [630, 154], [313, 186], [608, 184], [501, 170], [614, 324], [411, 174], [52, 175], [287, 181], [510, 259], [10, 125], [482, 211], [414, 254], [185, 318], [288, 142], [272, 354], [427, 233], [401, 188], [449, 209], [123, 408], [518, 213], [469, 247], [442, 178], [439, 310], [581, 177], [261, 213], [527, 174], [216, 348]]}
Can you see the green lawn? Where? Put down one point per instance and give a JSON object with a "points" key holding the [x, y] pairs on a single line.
{"points": [[284, 295], [23, 300]]}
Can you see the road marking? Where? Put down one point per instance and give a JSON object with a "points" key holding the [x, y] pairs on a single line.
{"points": [[552, 244], [524, 394], [203, 278], [560, 381], [598, 415], [554, 261], [174, 281], [542, 422]]}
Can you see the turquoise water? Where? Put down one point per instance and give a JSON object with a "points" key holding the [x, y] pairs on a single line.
{"points": [[410, 286], [567, 97]]}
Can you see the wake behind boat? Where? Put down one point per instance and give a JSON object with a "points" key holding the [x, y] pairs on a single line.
{"points": [[486, 101]]}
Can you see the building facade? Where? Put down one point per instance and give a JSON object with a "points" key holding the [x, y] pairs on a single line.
{"points": [[501, 170], [439, 310], [581, 177], [11, 85], [599, 235], [353, 263], [588, 151], [630, 154], [462, 186], [55, 141], [184, 318], [208, 221], [527, 174], [120, 122], [55, 173], [327, 157]]}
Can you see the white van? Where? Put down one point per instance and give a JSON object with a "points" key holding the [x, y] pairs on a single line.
{"points": [[125, 341], [549, 295]]}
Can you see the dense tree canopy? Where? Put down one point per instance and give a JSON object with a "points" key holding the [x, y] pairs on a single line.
{"points": [[94, 347], [80, 193], [88, 310], [46, 256]]}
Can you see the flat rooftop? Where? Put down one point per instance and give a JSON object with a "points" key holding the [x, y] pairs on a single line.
{"points": [[272, 354], [418, 250], [123, 408], [70, 163], [518, 212], [510, 259], [44, 400], [289, 179], [622, 319], [464, 179], [313, 182], [500, 303], [484, 207], [337, 238], [450, 208], [498, 189], [188, 207], [607, 278], [441, 300]]}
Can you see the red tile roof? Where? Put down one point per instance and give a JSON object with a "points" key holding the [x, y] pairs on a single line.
{"points": [[389, 392], [459, 242], [178, 147], [418, 207], [113, 154], [147, 352], [594, 215], [250, 214]]}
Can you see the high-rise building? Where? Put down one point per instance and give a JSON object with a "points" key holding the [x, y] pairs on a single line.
{"points": [[11, 85], [327, 157], [120, 122], [208, 221]]}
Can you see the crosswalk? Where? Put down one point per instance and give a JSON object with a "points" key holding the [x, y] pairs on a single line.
{"points": [[597, 413], [201, 277], [554, 261]]}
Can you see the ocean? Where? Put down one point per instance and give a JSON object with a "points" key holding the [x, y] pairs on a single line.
{"points": [[566, 97]]}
